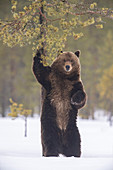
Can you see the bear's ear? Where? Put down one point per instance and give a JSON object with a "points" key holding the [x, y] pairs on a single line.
{"points": [[77, 53], [59, 52]]}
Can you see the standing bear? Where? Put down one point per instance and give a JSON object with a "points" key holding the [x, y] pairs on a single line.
{"points": [[63, 95]]}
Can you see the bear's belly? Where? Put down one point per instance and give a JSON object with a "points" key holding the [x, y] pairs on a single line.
{"points": [[61, 99], [61, 102]]}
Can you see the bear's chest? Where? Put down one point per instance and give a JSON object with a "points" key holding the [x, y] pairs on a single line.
{"points": [[61, 99]]}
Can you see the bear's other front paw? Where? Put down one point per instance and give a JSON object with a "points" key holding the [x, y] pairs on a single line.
{"points": [[78, 98]]}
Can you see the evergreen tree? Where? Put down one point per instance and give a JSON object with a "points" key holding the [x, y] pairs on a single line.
{"points": [[105, 88], [60, 20]]}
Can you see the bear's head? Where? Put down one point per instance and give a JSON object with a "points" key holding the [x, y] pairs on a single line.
{"points": [[67, 65]]}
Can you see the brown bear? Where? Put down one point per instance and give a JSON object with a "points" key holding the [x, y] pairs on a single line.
{"points": [[64, 94]]}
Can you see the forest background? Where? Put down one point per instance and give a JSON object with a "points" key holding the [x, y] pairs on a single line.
{"points": [[17, 80]]}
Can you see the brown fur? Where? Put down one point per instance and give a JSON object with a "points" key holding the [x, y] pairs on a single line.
{"points": [[60, 99], [59, 63], [61, 87], [63, 94]]}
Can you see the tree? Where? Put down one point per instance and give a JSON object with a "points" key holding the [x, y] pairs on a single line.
{"points": [[106, 87], [106, 91], [106, 53], [105, 72], [16, 79], [4, 82], [18, 110], [60, 20]]}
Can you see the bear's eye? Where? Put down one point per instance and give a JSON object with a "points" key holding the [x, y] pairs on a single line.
{"points": [[64, 60], [71, 61]]}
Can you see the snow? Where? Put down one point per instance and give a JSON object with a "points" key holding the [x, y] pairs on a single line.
{"points": [[24, 153]]}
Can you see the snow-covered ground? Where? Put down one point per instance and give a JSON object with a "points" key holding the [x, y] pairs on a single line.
{"points": [[20, 153]]}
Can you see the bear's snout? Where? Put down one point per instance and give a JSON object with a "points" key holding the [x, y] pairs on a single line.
{"points": [[68, 66]]}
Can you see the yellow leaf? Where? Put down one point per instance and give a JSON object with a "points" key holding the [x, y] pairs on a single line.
{"points": [[111, 15], [98, 19], [77, 36], [26, 8], [15, 15], [11, 101], [9, 114], [13, 8], [92, 6], [99, 26], [21, 13], [95, 4], [20, 105], [14, 104]]}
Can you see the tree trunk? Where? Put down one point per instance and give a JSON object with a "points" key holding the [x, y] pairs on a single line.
{"points": [[3, 99], [25, 126], [110, 119], [12, 78], [43, 45], [92, 113], [3, 108]]}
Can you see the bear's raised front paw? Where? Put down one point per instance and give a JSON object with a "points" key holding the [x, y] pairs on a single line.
{"points": [[38, 55], [39, 52], [35, 58], [78, 98]]}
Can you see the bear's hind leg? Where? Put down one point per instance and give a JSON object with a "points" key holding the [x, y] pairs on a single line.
{"points": [[69, 151], [72, 144], [50, 141], [50, 151]]}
